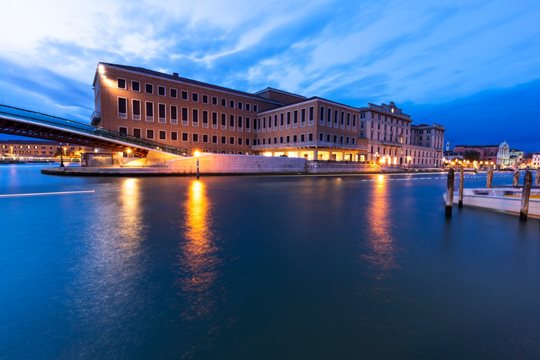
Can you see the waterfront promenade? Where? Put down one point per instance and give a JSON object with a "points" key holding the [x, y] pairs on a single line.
{"points": [[327, 267]]}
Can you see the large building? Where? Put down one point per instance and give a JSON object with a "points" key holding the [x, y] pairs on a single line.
{"points": [[193, 115]]}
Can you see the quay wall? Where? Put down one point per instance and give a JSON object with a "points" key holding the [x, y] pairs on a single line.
{"points": [[238, 164]]}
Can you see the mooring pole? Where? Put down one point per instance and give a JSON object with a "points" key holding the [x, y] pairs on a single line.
{"points": [[515, 182], [489, 180], [537, 179], [197, 168], [461, 180], [449, 194], [525, 195]]}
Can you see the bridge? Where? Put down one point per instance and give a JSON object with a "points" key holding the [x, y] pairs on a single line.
{"points": [[22, 122]]}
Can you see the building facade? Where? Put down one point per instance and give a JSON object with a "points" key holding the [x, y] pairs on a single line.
{"points": [[193, 115], [39, 149], [393, 140], [478, 152], [536, 160]]}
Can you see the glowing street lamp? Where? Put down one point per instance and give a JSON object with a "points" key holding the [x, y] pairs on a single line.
{"points": [[197, 153]]}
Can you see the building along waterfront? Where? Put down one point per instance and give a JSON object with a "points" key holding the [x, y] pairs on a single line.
{"points": [[194, 115]]}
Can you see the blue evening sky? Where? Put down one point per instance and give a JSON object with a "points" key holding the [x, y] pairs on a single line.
{"points": [[473, 66]]}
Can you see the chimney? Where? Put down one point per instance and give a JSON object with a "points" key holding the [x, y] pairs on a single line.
{"points": [[175, 74]]}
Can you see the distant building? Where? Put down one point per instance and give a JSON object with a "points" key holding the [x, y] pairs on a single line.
{"points": [[39, 148], [503, 155], [194, 115], [536, 160], [477, 152]]}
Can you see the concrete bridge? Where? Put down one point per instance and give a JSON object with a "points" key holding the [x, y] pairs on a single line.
{"points": [[22, 122]]}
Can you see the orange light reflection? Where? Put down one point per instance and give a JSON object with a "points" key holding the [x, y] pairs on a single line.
{"points": [[199, 259], [381, 245]]}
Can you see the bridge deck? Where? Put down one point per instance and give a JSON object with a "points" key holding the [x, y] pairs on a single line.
{"points": [[17, 121]]}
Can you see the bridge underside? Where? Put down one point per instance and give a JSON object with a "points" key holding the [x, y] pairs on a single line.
{"points": [[11, 127]]}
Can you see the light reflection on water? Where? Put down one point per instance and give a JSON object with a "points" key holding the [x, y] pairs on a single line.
{"points": [[381, 255], [199, 259]]}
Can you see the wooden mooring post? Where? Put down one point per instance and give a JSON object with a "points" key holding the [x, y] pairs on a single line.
{"points": [[525, 195], [449, 194], [489, 179], [537, 178], [515, 181], [461, 181]]}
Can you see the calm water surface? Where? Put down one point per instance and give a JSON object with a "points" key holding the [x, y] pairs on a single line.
{"points": [[262, 268]]}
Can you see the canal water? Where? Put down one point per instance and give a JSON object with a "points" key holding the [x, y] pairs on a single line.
{"points": [[337, 267]]}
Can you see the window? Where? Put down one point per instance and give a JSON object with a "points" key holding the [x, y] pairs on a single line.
{"points": [[173, 93], [195, 137], [136, 86], [174, 136], [310, 113], [321, 137], [214, 100], [223, 102], [149, 111], [121, 83], [184, 95], [288, 118], [223, 120], [295, 138], [231, 121], [310, 137], [231, 104], [231, 140], [214, 119], [205, 118], [122, 131], [161, 113], [185, 115], [205, 99], [247, 107], [336, 115], [136, 108], [161, 90], [255, 108], [223, 140], [295, 119], [162, 135], [247, 140], [247, 122], [302, 138], [184, 136], [240, 105], [137, 133], [194, 96], [239, 141], [214, 139], [174, 115], [149, 88], [205, 138], [195, 117], [122, 108], [239, 122], [303, 117], [149, 134]]}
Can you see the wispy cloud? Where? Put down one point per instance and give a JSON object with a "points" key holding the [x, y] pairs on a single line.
{"points": [[350, 51]]}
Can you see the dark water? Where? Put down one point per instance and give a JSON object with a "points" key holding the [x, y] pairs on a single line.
{"points": [[262, 268]]}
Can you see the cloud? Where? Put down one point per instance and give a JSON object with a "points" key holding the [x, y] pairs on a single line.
{"points": [[350, 51]]}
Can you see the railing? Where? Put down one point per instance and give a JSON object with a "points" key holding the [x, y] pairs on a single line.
{"points": [[87, 129]]}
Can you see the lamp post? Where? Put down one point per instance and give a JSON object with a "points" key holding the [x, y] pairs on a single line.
{"points": [[61, 155], [196, 153]]}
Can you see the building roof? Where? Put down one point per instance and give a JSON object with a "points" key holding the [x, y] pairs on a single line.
{"points": [[476, 146], [175, 77]]}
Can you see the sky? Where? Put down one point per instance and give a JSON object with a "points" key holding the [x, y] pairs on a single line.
{"points": [[472, 66]]}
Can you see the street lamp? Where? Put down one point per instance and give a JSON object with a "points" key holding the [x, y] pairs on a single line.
{"points": [[61, 155], [197, 153]]}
